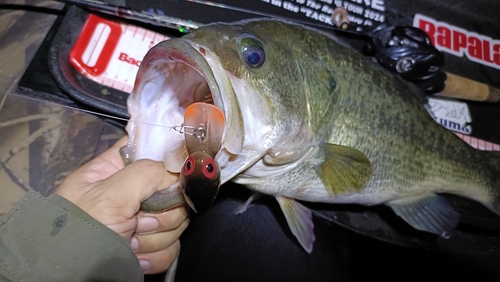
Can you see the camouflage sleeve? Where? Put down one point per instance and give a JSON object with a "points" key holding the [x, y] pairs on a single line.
{"points": [[50, 239]]}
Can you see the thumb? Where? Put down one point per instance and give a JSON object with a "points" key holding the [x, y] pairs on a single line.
{"points": [[139, 180]]}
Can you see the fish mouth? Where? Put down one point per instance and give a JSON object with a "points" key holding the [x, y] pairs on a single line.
{"points": [[173, 75]]}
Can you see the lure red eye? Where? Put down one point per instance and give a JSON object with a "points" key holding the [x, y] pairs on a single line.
{"points": [[189, 166], [209, 168]]}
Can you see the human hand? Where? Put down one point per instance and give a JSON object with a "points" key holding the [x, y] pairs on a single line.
{"points": [[112, 193]]}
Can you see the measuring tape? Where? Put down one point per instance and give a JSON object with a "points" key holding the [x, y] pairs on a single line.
{"points": [[110, 53], [479, 144]]}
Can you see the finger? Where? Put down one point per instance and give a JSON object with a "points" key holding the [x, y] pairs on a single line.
{"points": [[159, 261], [159, 222], [101, 167], [113, 153], [153, 242], [111, 159], [120, 143], [139, 180]]}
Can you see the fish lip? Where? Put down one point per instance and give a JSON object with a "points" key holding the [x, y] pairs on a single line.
{"points": [[172, 75], [206, 62], [187, 52], [181, 50]]}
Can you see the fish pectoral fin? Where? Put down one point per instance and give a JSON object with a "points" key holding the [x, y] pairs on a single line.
{"points": [[243, 207], [431, 213], [344, 170], [299, 219]]}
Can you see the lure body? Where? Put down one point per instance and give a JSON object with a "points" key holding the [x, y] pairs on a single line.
{"points": [[200, 174]]}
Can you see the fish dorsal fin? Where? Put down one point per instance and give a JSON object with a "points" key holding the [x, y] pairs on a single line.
{"points": [[431, 213], [344, 170], [299, 220]]}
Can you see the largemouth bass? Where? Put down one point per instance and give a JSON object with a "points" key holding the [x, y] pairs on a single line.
{"points": [[308, 119]]}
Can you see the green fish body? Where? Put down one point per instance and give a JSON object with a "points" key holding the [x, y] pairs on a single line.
{"points": [[309, 119]]}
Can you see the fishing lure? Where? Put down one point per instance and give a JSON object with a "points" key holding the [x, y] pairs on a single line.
{"points": [[200, 175]]}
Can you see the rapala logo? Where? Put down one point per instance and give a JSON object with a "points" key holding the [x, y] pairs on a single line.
{"points": [[458, 41], [125, 58]]}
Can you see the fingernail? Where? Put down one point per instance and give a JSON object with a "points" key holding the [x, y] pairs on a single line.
{"points": [[134, 244], [147, 224], [145, 265]]}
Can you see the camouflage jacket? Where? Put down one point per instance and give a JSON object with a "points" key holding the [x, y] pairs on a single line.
{"points": [[50, 239]]}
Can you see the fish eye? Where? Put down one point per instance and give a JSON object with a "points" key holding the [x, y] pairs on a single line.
{"points": [[209, 168], [254, 57], [189, 166], [252, 51]]}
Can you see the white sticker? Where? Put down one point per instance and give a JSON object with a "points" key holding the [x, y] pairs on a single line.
{"points": [[453, 115]]}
